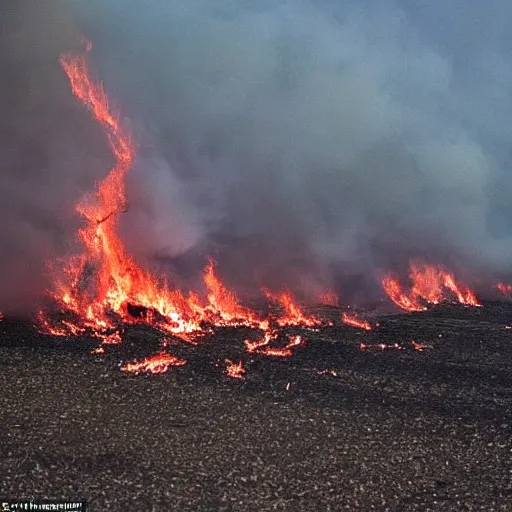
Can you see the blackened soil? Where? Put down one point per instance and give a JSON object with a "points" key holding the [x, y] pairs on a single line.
{"points": [[394, 429]]}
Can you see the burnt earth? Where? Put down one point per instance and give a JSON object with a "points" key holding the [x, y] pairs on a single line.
{"points": [[392, 430]]}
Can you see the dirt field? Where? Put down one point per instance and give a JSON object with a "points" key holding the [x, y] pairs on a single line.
{"points": [[394, 429]]}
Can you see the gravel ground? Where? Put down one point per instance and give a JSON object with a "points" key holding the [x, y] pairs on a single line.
{"points": [[392, 430]]}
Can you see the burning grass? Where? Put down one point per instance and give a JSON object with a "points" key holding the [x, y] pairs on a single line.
{"points": [[102, 290]]}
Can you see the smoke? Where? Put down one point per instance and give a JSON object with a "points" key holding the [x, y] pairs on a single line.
{"points": [[302, 143], [50, 153]]}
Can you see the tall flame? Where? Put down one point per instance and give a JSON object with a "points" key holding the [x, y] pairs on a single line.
{"points": [[118, 280]]}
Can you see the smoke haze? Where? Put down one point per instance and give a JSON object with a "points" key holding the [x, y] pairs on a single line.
{"points": [[301, 143]]}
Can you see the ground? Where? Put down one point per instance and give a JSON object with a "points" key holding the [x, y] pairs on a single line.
{"points": [[391, 430]]}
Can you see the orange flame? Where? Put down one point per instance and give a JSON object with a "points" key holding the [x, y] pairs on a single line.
{"points": [[159, 363], [353, 321], [292, 313], [234, 370], [118, 279], [399, 297], [429, 285], [420, 347], [223, 304], [105, 285], [262, 346]]}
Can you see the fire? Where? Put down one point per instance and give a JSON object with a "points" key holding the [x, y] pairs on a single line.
{"points": [[159, 363], [429, 286], [399, 297], [103, 288], [109, 339], [506, 289], [234, 370], [105, 280], [420, 347], [262, 346], [223, 304], [353, 321], [66, 327], [292, 313], [327, 372], [106, 271], [380, 346]]}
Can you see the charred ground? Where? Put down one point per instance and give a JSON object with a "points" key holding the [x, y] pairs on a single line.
{"points": [[393, 429]]}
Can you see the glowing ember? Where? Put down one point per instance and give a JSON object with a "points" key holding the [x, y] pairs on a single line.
{"points": [[429, 285], [159, 363], [353, 321], [420, 347], [380, 346], [327, 372], [98, 350], [235, 370], [262, 346], [109, 339]]}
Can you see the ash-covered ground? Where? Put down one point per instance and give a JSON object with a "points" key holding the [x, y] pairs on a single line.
{"points": [[394, 429]]}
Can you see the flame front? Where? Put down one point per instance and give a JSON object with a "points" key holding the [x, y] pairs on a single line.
{"points": [[430, 285], [104, 287]]}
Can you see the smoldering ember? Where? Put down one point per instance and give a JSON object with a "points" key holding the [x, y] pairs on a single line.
{"points": [[219, 326]]}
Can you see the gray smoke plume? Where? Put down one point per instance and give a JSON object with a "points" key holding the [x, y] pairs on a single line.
{"points": [[302, 143]]}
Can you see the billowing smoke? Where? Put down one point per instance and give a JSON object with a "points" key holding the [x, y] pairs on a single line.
{"points": [[301, 143]]}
